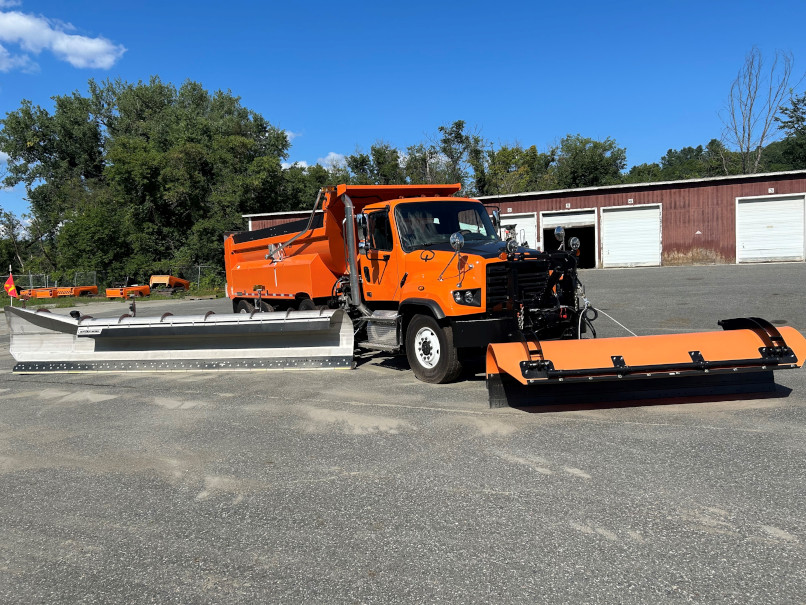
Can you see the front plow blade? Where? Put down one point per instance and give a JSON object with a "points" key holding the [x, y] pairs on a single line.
{"points": [[739, 359], [47, 342]]}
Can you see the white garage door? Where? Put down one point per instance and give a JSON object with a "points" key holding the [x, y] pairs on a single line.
{"points": [[770, 229], [631, 236], [525, 227], [577, 218]]}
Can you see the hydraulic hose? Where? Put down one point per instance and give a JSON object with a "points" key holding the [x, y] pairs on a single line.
{"points": [[284, 245]]}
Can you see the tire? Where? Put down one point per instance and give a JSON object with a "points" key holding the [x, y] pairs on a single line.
{"points": [[265, 307], [306, 304], [244, 306], [430, 351]]}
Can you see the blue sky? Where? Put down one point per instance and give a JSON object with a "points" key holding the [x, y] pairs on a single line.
{"points": [[340, 76]]}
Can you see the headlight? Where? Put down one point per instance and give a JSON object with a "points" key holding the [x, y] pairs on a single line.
{"points": [[470, 298]]}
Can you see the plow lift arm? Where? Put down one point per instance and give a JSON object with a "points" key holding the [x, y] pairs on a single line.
{"points": [[740, 359]]}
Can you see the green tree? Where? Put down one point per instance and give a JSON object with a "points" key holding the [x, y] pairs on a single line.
{"points": [[423, 164], [584, 162], [644, 173], [154, 172], [791, 153]]}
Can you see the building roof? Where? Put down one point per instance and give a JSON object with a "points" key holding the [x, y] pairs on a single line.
{"points": [[628, 186], [289, 213]]}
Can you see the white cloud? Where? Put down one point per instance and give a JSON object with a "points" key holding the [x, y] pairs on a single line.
{"points": [[9, 3], [292, 135], [287, 165], [3, 157], [35, 34], [332, 160], [9, 61]]}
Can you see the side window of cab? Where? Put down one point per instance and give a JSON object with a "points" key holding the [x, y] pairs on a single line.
{"points": [[380, 231]]}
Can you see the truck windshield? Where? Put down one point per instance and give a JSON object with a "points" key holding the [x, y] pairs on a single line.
{"points": [[422, 224]]}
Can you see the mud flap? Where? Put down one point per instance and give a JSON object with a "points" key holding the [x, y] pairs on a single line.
{"points": [[738, 360]]}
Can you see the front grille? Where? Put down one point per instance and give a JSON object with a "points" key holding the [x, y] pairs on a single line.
{"points": [[515, 280]]}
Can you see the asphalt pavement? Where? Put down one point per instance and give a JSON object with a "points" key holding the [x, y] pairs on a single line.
{"points": [[367, 486]]}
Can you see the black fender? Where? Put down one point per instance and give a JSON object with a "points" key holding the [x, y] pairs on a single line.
{"points": [[432, 306]]}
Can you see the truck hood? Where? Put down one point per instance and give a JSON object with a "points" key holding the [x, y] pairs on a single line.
{"points": [[476, 248]]}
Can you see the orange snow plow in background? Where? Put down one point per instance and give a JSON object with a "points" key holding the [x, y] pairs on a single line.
{"points": [[739, 359]]}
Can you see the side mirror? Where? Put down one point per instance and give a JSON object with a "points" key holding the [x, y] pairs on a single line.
{"points": [[559, 233], [496, 219], [361, 221], [457, 241]]}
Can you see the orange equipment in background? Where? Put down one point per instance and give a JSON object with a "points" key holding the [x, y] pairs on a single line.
{"points": [[77, 291], [39, 292], [128, 291], [168, 284]]}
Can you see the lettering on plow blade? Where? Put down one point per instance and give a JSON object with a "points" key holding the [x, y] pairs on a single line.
{"points": [[738, 360]]}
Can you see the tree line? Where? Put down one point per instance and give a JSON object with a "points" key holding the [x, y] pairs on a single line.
{"points": [[135, 178]]}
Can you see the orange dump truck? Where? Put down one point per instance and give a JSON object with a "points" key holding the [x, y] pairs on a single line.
{"points": [[423, 272]]}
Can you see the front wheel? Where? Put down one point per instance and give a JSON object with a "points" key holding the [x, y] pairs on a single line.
{"points": [[430, 351]]}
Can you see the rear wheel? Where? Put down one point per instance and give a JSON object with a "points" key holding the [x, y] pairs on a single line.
{"points": [[265, 307], [306, 304], [430, 351], [244, 306]]}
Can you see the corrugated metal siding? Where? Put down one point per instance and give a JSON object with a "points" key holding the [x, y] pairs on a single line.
{"points": [[261, 222], [687, 208]]}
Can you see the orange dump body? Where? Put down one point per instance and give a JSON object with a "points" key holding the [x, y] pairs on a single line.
{"points": [[39, 293], [128, 291], [77, 291], [168, 281]]}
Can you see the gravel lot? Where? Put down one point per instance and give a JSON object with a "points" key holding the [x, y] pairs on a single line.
{"points": [[368, 486]]}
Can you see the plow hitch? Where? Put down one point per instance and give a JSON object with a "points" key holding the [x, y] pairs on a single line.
{"points": [[739, 359]]}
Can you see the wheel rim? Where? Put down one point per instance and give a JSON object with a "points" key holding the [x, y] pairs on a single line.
{"points": [[426, 347]]}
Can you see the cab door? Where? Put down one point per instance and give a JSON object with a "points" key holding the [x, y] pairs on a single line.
{"points": [[379, 263]]}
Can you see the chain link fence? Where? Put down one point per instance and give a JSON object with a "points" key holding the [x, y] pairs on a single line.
{"points": [[85, 278]]}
